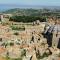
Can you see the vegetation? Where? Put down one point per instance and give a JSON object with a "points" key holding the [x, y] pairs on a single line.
{"points": [[7, 56], [16, 33], [5, 44], [27, 19], [17, 28], [23, 53], [32, 39], [13, 58], [30, 15], [34, 12], [11, 43], [41, 57]]}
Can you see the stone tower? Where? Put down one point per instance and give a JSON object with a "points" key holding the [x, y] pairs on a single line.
{"points": [[56, 35], [53, 34], [2, 19]]}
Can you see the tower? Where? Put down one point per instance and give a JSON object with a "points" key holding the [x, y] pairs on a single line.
{"points": [[2, 18]]}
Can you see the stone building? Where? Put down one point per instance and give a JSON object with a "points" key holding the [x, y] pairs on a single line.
{"points": [[56, 35], [53, 34]]}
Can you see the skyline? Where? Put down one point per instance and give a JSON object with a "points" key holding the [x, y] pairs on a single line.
{"points": [[31, 2]]}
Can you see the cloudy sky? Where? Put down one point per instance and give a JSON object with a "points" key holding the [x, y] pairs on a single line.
{"points": [[32, 2]]}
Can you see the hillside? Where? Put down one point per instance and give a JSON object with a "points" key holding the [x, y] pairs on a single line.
{"points": [[33, 12]]}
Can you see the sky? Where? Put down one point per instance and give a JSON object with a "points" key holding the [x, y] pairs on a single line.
{"points": [[32, 2]]}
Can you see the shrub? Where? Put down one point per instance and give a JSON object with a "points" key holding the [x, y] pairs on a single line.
{"points": [[27, 19], [23, 53], [17, 28], [11, 43], [16, 33]]}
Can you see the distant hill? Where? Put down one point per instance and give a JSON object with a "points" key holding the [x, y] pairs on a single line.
{"points": [[29, 10], [33, 12], [25, 12]]}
